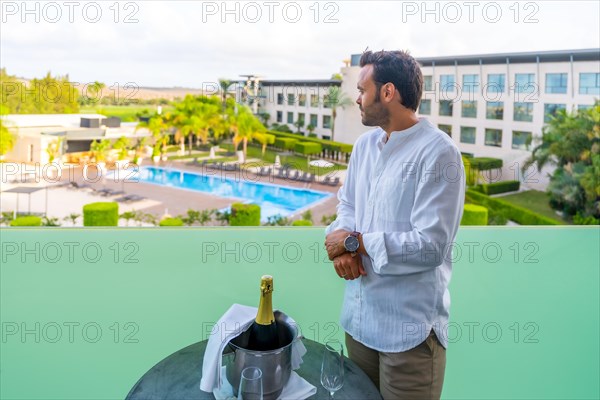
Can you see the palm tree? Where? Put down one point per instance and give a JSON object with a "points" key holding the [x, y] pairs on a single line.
{"points": [[157, 126], [96, 88], [245, 126], [224, 84], [336, 99]]}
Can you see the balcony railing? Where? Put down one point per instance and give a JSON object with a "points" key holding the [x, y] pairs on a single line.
{"points": [[86, 312]]}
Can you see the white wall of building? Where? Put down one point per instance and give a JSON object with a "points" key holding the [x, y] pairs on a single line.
{"points": [[270, 105]]}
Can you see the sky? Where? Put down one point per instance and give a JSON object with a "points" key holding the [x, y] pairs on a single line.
{"points": [[193, 43]]}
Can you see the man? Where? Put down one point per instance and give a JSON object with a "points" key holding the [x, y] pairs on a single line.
{"points": [[398, 213]]}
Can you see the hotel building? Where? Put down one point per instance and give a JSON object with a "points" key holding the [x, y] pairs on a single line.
{"points": [[493, 105]]}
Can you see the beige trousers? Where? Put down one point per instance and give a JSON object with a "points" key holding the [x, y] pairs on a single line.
{"points": [[414, 374]]}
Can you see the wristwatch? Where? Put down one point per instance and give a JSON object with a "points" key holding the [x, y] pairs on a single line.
{"points": [[351, 243]]}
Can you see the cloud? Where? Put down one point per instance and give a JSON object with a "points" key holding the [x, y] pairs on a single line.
{"points": [[180, 44]]}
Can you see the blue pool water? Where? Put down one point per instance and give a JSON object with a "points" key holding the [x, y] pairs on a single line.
{"points": [[272, 199]]}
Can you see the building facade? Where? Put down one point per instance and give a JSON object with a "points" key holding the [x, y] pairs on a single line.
{"points": [[36, 132], [289, 102], [493, 105]]}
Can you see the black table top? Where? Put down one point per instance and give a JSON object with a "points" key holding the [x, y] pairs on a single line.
{"points": [[178, 377]]}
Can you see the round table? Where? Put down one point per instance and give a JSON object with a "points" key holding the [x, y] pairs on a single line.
{"points": [[178, 376]]}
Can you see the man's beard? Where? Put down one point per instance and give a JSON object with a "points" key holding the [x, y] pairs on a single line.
{"points": [[375, 115]]}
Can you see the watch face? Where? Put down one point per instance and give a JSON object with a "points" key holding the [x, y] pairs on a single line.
{"points": [[351, 243]]}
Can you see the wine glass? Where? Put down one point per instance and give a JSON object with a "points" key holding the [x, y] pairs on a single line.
{"points": [[251, 387], [332, 369]]}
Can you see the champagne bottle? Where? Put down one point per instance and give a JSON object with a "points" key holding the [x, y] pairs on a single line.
{"points": [[263, 332]]}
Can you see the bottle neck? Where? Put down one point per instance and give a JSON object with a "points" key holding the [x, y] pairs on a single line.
{"points": [[265, 308]]}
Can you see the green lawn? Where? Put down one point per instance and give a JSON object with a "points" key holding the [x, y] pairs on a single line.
{"points": [[536, 201], [126, 113], [297, 162]]}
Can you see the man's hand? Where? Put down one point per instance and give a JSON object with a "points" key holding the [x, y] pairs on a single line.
{"points": [[349, 267], [334, 243]]}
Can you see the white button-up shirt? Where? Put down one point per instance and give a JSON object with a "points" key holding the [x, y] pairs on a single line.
{"points": [[406, 197]]}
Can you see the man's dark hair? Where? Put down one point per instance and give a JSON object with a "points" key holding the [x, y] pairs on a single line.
{"points": [[399, 68]]}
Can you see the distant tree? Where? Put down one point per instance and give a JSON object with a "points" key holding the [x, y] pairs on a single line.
{"points": [[7, 139], [571, 142]]}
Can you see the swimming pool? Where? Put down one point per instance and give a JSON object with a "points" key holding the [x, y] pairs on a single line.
{"points": [[272, 199]]}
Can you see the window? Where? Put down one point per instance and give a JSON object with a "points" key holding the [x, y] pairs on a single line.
{"points": [[279, 116], [446, 128], [525, 83], [290, 117], [470, 83], [469, 109], [550, 110], [302, 100], [495, 83], [446, 108], [467, 134], [314, 100], [428, 83], [583, 107], [327, 121], [494, 110], [425, 107], [314, 120], [447, 83], [291, 99], [589, 83], [521, 140], [493, 137], [523, 112], [556, 83], [326, 103], [280, 98], [301, 118]]}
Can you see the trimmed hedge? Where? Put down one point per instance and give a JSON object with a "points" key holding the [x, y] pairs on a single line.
{"points": [[485, 163], [307, 148], [285, 143], [244, 215], [101, 214], [30, 220], [302, 222], [499, 187], [326, 144], [474, 215], [518, 214], [170, 222]]}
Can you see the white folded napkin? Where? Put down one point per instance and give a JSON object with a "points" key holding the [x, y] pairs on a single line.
{"points": [[297, 388], [236, 320]]}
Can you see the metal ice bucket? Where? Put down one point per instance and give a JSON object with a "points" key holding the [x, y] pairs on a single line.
{"points": [[276, 365]]}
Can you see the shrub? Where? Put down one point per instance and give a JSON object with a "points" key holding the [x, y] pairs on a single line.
{"points": [[307, 148], [171, 222], [30, 220], [277, 220], [285, 143], [325, 144], [485, 163], [244, 215], [579, 219], [499, 187], [515, 213], [302, 222], [101, 214], [474, 215]]}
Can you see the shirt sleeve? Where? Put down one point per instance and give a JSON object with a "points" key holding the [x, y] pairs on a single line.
{"points": [[435, 218], [346, 216]]}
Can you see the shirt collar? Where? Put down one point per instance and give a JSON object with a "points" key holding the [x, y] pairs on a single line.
{"points": [[399, 134]]}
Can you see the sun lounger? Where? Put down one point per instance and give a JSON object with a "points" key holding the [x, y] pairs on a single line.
{"points": [[130, 198]]}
